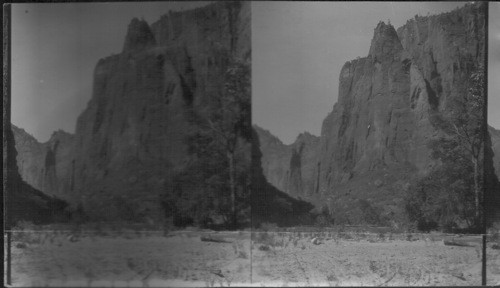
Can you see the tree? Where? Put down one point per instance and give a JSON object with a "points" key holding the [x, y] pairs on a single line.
{"points": [[224, 132], [443, 198], [231, 120], [457, 181], [466, 126], [189, 197]]}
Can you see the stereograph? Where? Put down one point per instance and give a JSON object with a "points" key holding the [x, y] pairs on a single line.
{"points": [[226, 143]]}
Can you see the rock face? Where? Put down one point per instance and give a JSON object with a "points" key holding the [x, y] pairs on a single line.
{"points": [[495, 146], [492, 176], [375, 139], [132, 135], [45, 166], [275, 158], [269, 204], [22, 201], [290, 168]]}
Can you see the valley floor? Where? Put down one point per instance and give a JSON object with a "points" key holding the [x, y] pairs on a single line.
{"points": [[364, 263], [181, 258]]}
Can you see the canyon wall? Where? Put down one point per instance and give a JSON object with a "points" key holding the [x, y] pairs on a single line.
{"points": [[131, 137], [492, 176], [290, 168], [46, 166], [268, 203], [375, 139], [21, 200], [132, 134], [495, 146]]}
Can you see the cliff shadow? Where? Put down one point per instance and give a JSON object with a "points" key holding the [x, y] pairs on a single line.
{"points": [[269, 204]]}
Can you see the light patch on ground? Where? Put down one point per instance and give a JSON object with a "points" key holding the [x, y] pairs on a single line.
{"points": [[181, 259], [131, 260]]}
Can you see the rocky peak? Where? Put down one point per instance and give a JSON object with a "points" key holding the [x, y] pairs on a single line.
{"points": [[306, 137], [289, 168], [266, 137], [139, 36], [45, 166], [60, 135], [376, 137], [131, 137], [385, 41]]}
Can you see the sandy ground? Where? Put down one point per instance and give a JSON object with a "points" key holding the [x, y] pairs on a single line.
{"points": [[280, 259], [363, 263], [493, 263], [133, 261]]}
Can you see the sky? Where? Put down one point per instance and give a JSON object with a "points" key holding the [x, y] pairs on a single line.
{"points": [[55, 48], [299, 48], [494, 65]]}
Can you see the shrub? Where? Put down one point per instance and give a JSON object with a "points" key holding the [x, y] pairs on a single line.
{"points": [[24, 226], [183, 221], [242, 254], [409, 237], [331, 278], [381, 236], [266, 226]]}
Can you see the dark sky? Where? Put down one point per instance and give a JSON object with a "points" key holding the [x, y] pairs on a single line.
{"points": [[54, 50], [298, 49], [494, 66]]}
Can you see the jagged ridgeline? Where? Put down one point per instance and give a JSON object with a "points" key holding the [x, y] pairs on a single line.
{"points": [[152, 120], [383, 133]]}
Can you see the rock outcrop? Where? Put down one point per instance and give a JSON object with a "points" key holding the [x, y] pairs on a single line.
{"points": [[132, 134], [375, 139], [290, 168], [275, 158], [495, 146], [46, 166], [22, 201], [269, 204], [492, 176]]}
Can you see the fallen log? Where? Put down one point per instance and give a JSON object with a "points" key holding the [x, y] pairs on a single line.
{"points": [[456, 243], [211, 239]]}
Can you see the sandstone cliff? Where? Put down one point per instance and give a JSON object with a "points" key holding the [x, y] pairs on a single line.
{"points": [[495, 146], [290, 168], [269, 204], [375, 139], [22, 201], [492, 176], [132, 134], [45, 166]]}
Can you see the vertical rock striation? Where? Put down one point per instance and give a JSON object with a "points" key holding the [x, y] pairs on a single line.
{"points": [[132, 134], [290, 168], [495, 146], [45, 166], [492, 176], [269, 204], [375, 139], [22, 201]]}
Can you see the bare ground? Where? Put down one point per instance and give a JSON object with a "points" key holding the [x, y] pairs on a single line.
{"points": [[365, 263], [493, 263], [141, 260], [279, 259]]}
